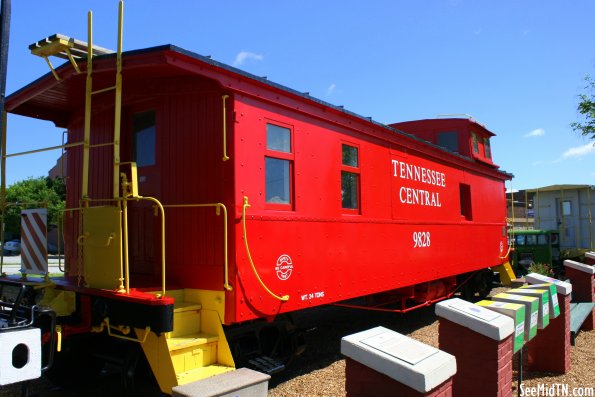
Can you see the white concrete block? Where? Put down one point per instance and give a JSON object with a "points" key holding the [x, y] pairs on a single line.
{"points": [[26, 341], [579, 266], [562, 287], [406, 360], [479, 319], [242, 382]]}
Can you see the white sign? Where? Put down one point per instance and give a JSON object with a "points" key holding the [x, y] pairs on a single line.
{"points": [[400, 347]]}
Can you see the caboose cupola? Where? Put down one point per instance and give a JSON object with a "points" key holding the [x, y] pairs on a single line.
{"points": [[463, 136]]}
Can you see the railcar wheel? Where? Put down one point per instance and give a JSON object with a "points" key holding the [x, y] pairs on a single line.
{"points": [[479, 286]]}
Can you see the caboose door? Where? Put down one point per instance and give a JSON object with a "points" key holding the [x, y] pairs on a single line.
{"points": [[143, 224]]}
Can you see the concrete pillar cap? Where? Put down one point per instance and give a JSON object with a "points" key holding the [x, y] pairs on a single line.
{"points": [[479, 319], [562, 287], [406, 360], [579, 266]]}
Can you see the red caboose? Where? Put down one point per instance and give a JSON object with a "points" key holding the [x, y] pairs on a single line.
{"points": [[204, 196]]}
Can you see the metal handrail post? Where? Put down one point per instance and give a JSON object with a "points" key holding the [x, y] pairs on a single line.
{"points": [[88, 99], [118, 103]]}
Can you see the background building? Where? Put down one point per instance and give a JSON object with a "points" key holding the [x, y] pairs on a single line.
{"points": [[520, 211], [569, 209]]}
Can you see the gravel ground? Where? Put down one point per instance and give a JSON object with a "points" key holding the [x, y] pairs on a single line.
{"points": [[325, 376], [320, 371]]}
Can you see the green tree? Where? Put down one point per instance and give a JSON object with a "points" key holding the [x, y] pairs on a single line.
{"points": [[586, 108], [34, 193]]}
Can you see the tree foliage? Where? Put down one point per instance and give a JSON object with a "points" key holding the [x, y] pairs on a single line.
{"points": [[586, 108], [43, 192]]}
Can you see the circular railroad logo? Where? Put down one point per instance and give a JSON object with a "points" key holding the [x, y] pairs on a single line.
{"points": [[284, 267]]}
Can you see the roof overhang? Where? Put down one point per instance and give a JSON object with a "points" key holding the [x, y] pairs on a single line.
{"points": [[557, 188]]}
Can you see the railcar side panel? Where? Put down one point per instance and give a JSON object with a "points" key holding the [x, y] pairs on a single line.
{"points": [[419, 218]]}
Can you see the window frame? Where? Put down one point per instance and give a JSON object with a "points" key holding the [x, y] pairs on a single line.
{"points": [[487, 148], [135, 134], [566, 210], [355, 171], [474, 143], [450, 133], [280, 155], [466, 202]]}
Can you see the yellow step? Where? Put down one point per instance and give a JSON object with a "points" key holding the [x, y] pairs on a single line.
{"points": [[186, 318], [183, 306], [201, 373], [194, 351], [191, 340]]}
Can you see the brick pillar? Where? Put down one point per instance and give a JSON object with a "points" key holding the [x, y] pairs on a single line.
{"points": [[583, 287], [363, 381], [590, 258], [549, 351], [484, 365]]}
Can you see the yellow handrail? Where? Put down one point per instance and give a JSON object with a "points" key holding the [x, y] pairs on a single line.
{"points": [[510, 240], [283, 298], [66, 146], [162, 210], [88, 107], [118, 104], [218, 207]]}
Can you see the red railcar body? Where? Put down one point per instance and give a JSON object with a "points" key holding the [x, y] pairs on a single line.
{"points": [[339, 206]]}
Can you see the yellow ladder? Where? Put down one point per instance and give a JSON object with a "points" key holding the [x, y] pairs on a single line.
{"points": [[69, 48]]}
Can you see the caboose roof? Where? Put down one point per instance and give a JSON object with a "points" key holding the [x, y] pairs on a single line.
{"points": [[49, 99], [450, 122], [57, 100]]}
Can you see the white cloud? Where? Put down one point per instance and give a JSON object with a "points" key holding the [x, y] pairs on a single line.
{"points": [[331, 88], [535, 133], [579, 151], [243, 56]]}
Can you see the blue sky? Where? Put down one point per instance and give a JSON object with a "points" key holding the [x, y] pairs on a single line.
{"points": [[516, 66]]}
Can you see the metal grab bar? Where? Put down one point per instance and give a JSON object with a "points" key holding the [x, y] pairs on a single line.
{"points": [[218, 208], [162, 211], [283, 298], [66, 146], [81, 240]]}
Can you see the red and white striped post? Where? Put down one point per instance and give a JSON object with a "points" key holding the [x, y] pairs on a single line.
{"points": [[34, 252]]}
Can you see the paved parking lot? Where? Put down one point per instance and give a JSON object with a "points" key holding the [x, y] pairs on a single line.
{"points": [[12, 264]]}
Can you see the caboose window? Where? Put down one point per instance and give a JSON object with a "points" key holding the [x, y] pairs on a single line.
{"points": [[350, 178], [143, 131], [449, 140], [475, 143], [278, 138], [465, 198], [278, 166], [486, 146], [277, 181]]}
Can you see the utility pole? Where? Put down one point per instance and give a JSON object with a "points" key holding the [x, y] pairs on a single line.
{"points": [[4, 36]]}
